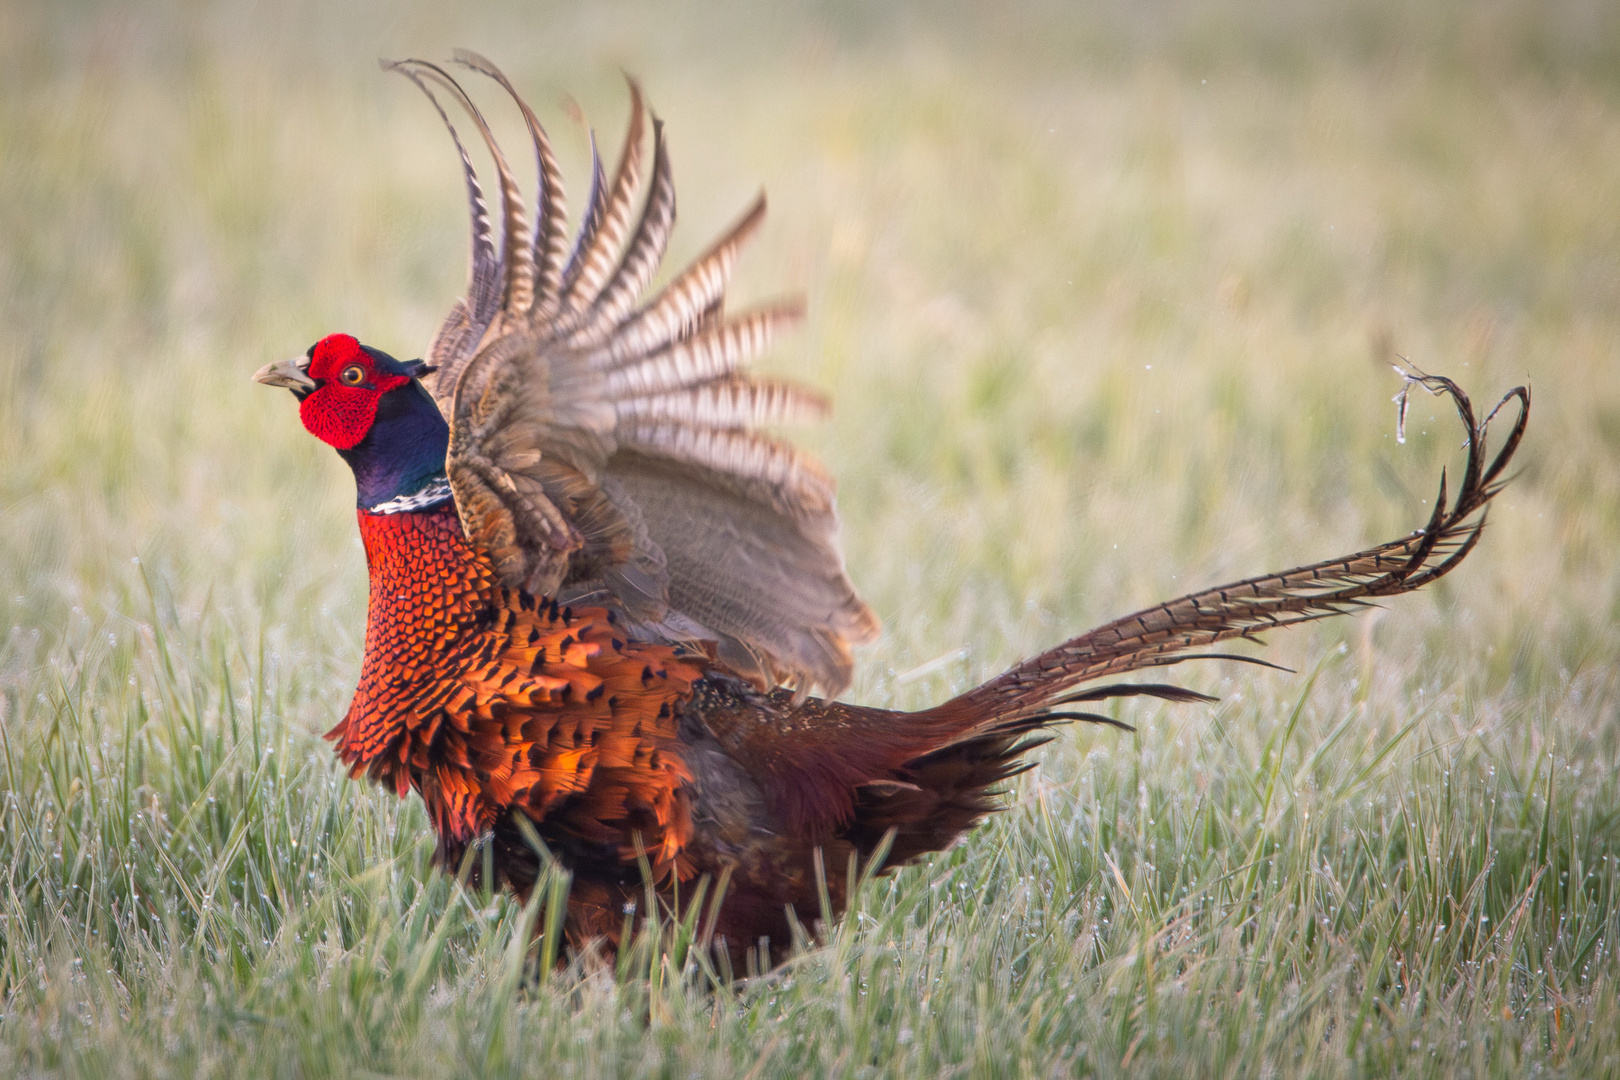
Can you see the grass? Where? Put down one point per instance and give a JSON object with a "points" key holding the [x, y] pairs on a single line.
{"points": [[1101, 298]]}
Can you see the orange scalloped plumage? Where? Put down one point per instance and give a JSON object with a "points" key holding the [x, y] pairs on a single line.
{"points": [[485, 700]]}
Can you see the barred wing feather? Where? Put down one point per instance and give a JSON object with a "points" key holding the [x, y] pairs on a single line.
{"points": [[607, 449]]}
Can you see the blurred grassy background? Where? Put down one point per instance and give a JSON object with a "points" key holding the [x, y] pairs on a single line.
{"points": [[1103, 296]]}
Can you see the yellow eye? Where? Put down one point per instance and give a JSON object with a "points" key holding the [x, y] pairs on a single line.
{"points": [[353, 375]]}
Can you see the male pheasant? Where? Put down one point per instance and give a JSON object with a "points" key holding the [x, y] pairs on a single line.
{"points": [[600, 595]]}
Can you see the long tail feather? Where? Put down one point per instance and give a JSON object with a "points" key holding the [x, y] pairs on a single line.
{"points": [[1169, 632], [1114, 690]]}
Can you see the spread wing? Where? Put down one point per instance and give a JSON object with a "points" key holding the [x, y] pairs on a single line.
{"points": [[607, 448]]}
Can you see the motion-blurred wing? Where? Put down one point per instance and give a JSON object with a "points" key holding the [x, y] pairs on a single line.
{"points": [[606, 448]]}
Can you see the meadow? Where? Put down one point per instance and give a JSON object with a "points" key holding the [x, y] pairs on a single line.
{"points": [[1105, 299]]}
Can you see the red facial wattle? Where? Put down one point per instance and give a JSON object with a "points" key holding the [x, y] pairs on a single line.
{"points": [[343, 406]]}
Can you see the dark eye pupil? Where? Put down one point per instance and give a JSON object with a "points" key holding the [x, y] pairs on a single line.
{"points": [[353, 376]]}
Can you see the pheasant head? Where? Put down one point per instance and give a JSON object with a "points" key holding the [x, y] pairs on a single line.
{"points": [[372, 409]]}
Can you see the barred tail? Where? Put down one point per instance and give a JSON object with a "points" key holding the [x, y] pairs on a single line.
{"points": [[1173, 631]]}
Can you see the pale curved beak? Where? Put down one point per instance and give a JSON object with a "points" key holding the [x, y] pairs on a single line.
{"points": [[289, 373]]}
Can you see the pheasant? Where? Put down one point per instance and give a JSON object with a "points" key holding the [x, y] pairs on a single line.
{"points": [[601, 596]]}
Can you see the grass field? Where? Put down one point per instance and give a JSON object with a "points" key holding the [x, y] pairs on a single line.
{"points": [[1103, 298]]}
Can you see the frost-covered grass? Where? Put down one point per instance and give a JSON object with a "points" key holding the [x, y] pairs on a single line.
{"points": [[1101, 299]]}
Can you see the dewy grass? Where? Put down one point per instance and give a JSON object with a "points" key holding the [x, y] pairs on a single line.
{"points": [[1096, 302]]}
